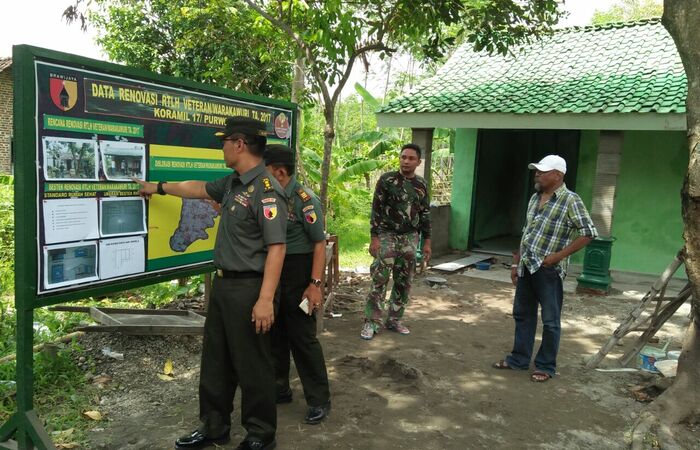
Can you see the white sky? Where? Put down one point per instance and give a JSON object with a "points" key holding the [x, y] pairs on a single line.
{"points": [[39, 23]]}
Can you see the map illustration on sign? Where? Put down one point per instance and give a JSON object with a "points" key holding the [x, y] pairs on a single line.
{"points": [[195, 217]]}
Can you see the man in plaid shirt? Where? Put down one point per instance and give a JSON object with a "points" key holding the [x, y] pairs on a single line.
{"points": [[557, 225]]}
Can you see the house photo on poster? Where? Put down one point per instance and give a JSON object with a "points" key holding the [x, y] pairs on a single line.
{"points": [[69, 158], [67, 264], [123, 160]]}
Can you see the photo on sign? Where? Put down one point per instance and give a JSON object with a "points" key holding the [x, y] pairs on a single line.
{"points": [[67, 264], [122, 216], [69, 159], [123, 160]]}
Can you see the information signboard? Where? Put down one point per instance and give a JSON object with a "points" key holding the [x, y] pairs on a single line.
{"points": [[82, 130], [97, 129]]}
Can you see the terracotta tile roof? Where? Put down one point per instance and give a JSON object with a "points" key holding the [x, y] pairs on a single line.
{"points": [[613, 68], [5, 63]]}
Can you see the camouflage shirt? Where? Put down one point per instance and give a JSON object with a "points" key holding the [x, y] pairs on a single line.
{"points": [[401, 205]]}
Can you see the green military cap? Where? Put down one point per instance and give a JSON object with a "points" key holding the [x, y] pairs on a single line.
{"points": [[242, 125], [278, 154]]}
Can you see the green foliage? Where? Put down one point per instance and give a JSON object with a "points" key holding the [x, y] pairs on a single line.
{"points": [[7, 239], [219, 41], [628, 10], [62, 392]]}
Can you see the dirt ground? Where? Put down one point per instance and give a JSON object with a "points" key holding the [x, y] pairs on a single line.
{"points": [[432, 389]]}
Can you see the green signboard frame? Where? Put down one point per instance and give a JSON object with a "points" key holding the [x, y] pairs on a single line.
{"points": [[24, 425]]}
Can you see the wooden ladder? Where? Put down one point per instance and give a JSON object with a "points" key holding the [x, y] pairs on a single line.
{"points": [[648, 325]]}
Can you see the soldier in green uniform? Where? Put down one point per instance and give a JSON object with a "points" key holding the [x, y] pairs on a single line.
{"points": [[248, 254], [400, 211], [295, 329]]}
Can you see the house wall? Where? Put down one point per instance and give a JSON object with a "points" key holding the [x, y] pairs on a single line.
{"points": [[585, 177], [5, 120], [647, 223], [440, 221], [462, 187]]}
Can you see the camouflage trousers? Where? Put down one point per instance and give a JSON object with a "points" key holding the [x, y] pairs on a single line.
{"points": [[397, 257]]}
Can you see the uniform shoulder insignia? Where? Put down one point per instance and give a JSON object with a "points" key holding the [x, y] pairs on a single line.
{"points": [[303, 195], [267, 185]]}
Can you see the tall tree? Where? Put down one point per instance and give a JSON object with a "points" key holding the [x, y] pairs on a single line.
{"points": [[333, 34], [627, 10], [221, 42], [681, 402]]}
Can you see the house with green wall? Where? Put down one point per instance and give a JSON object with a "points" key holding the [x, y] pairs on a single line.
{"points": [[610, 99]]}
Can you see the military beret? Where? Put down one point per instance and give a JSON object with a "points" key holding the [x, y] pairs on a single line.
{"points": [[243, 125], [278, 154]]}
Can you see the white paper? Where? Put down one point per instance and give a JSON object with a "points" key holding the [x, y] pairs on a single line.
{"points": [[123, 160], [70, 219], [66, 264], [122, 256], [69, 159], [122, 216]]}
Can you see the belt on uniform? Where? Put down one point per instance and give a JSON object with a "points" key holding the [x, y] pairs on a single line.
{"points": [[221, 273]]}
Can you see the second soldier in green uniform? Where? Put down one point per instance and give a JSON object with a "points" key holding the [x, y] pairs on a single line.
{"points": [[248, 254], [295, 329]]}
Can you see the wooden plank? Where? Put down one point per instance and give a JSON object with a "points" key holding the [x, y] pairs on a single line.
{"points": [[103, 317], [155, 312], [144, 330], [461, 263]]}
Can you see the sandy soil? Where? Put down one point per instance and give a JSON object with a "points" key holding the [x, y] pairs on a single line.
{"points": [[432, 389]]}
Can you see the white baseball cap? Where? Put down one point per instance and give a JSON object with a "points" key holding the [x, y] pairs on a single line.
{"points": [[549, 162]]}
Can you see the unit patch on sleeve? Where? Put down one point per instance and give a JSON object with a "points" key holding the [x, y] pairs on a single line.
{"points": [[270, 211], [310, 216]]}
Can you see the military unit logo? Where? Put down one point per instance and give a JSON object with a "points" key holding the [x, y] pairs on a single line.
{"points": [[310, 216], [270, 211], [64, 93]]}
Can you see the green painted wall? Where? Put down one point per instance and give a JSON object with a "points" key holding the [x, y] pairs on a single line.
{"points": [[585, 175], [462, 187], [647, 219]]}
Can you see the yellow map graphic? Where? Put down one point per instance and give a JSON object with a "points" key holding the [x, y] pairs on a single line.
{"points": [[179, 226]]}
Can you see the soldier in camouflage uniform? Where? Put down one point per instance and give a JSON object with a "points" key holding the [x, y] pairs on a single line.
{"points": [[295, 329], [248, 254], [400, 215]]}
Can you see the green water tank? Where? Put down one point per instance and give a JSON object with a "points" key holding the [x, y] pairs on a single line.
{"points": [[596, 266]]}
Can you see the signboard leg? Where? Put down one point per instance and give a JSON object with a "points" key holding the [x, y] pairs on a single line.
{"points": [[24, 425]]}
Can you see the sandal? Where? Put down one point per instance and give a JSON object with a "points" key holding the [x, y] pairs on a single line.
{"points": [[540, 377], [501, 365]]}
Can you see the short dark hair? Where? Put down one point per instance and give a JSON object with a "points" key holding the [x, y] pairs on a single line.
{"points": [[412, 146], [255, 143], [278, 155]]}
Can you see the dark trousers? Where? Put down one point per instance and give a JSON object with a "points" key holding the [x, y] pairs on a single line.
{"points": [[543, 288], [234, 355], [296, 331]]}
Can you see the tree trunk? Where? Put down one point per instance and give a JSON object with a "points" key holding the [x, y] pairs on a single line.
{"points": [[681, 401], [328, 136], [298, 87]]}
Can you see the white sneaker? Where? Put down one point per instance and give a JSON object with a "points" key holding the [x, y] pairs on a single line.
{"points": [[368, 331]]}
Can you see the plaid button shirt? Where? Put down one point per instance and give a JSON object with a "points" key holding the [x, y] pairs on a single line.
{"points": [[551, 228]]}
